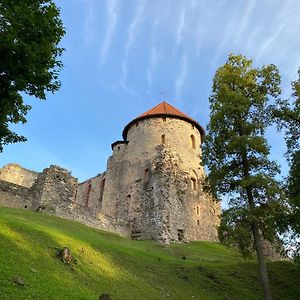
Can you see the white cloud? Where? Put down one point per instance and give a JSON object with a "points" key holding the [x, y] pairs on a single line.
{"points": [[245, 19], [112, 9], [181, 77], [152, 64], [89, 29], [131, 37], [180, 28], [266, 45]]}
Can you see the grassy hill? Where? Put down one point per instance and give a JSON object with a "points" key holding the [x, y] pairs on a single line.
{"points": [[123, 268]]}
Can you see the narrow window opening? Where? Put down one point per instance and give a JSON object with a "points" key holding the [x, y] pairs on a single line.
{"points": [[87, 200], [193, 126], [197, 210], [101, 190], [193, 141], [163, 139], [75, 196], [198, 222], [164, 119], [146, 175], [194, 183]]}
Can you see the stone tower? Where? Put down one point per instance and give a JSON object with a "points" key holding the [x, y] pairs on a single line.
{"points": [[152, 189], [153, 186]]}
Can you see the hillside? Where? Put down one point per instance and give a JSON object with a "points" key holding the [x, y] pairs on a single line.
{"points": [[123, 268]]}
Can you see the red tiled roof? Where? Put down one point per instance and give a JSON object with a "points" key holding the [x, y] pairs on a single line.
{"points": [[162, 110]]}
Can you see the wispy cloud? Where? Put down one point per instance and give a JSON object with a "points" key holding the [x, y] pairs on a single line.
{"points": [[245, 19], [180, 28], [89, 28], [199, 39], [131, 36], [181, 77], [224, 42], [152, 64], [266, 45], [112, 10]]}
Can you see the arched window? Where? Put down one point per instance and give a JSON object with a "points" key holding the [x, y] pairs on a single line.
{"points": [[193, 141], [146, 175], [75, 196], [194, 183], [102, 185], [87, 200], [163, 139]]}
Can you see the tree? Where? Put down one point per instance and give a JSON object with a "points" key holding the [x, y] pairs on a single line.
{"points": [[236, 153], [30, 32], [287, 116]]}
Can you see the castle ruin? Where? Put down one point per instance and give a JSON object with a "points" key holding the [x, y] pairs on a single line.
{"points": [[152, 188]]}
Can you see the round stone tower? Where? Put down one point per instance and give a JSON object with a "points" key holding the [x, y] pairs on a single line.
{"points": [[154, 179]]}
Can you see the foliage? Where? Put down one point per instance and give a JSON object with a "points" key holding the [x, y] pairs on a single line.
{"points": [[236, 152], [286, 114], [122, 268], [30, 32], [235, 149]]}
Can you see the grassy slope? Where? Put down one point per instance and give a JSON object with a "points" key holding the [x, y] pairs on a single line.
{"points": [[123, 268]]}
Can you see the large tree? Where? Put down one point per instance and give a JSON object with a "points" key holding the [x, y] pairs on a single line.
{"points": [[236, 153], [286, 113], [30, 32]]}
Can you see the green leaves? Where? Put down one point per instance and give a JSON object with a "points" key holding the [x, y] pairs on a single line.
{"points": [[30, 32], [236, 151]]}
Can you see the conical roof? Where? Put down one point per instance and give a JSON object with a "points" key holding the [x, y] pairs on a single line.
{"points": [[163, 109]]}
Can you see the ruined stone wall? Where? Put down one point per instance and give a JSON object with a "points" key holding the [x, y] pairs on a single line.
{"points": [[90, 192], [18, 175], [14, 195], [154, 183], [152, 188], [54, 191]]}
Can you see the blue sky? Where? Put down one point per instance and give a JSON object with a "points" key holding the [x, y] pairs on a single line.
{"points": [[124, 57]]}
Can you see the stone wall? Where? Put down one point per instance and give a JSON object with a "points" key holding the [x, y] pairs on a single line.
{"points": [[18, 175], [54, 190], [152, 188], [154, 183], [14, 195], [90, 192]]}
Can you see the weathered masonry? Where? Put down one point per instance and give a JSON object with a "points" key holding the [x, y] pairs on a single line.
{"points": [[152, 189]]}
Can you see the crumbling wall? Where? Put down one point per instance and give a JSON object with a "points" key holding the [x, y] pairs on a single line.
{"points": [[168, 203], [14, 195], [16, 174], [54, 191], [90, 192], [154, 184]]}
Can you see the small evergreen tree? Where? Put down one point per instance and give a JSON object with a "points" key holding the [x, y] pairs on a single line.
{"points": [[236, 153]]}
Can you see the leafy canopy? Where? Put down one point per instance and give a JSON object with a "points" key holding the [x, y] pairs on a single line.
{"points": [[286, 113], [30, 32], [236, 151]]}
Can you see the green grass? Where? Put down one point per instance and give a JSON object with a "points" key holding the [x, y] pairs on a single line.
{"points": [[125, 269]]}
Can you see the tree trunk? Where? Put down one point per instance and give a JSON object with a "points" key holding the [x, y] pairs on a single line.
{"points": [[256, 235], [261, 261]]}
